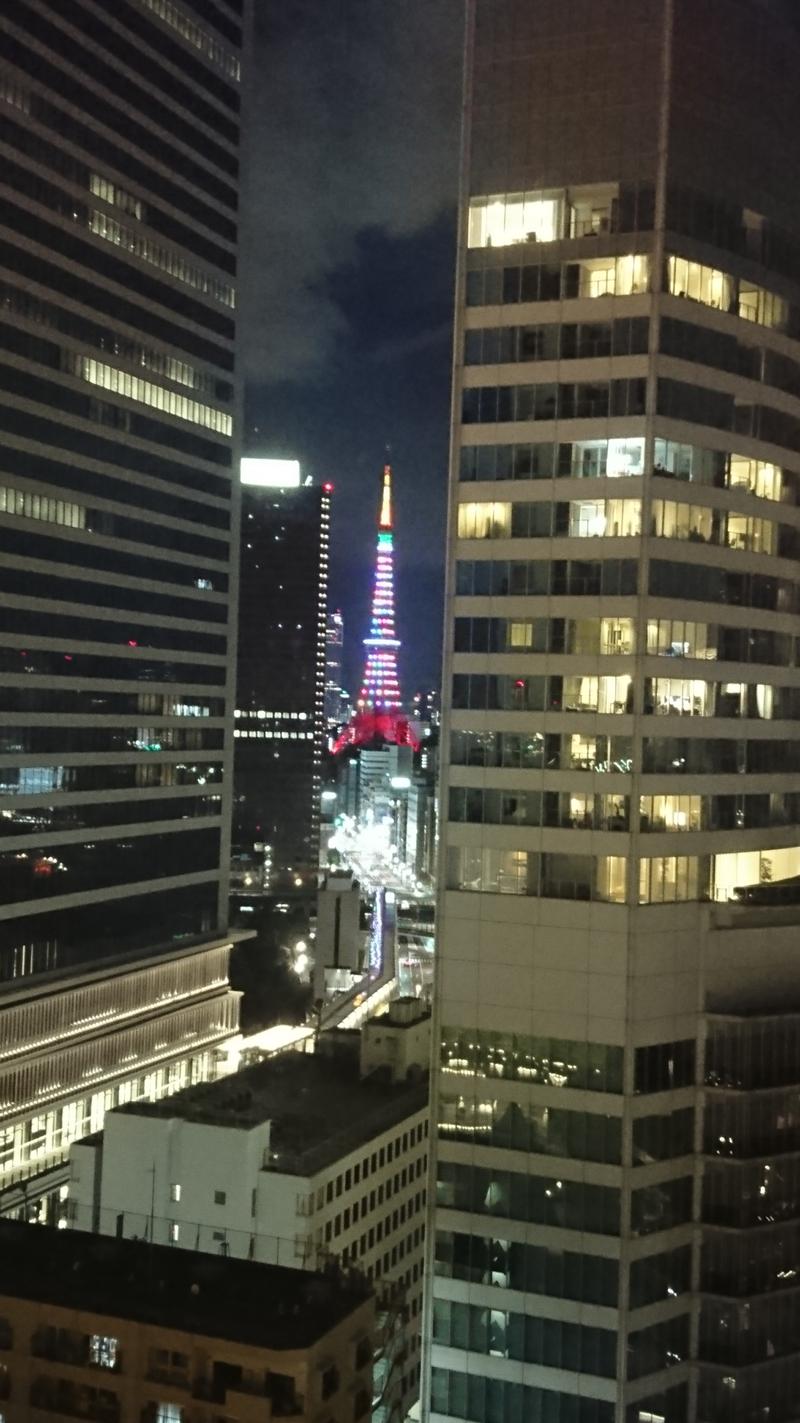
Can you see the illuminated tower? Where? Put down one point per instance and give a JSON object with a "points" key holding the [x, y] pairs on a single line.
{"points": [[380, 690], [378, 718]]}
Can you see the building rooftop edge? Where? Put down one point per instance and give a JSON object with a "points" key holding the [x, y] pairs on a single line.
{"points": [[270, 1306]]}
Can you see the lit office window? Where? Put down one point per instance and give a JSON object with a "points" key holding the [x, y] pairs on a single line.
{"points": [[118, 197], [12, 92], [756, 476], [755, 535], [609, 518], [678, 697], [505, 219], [669, 457], [484, 521], [699, 283], [520, 635], [763, 307], [591, 210], [165, 258], [613, 276], [156, 396], [169, 1413], [765, 701], [616, 635], [608, 695], [609, 459], [607, 636], [489, 871], [625, 457], [612, 878], [682, 521], [738, 870], [43, 507], [103, 1351], [669, 878], [671, 812], [523, 872], [196, 36], [677, 637]]}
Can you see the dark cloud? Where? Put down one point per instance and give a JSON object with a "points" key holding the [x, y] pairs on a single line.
{"points": [[352, 126]]}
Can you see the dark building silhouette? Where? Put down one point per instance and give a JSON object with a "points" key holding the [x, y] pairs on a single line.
{"points": [[280, 684], [120, 131]]}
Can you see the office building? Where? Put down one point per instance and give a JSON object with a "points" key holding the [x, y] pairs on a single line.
{"points": [[617, 1228], [418, 849], [336, 698], [372, 780], [120, 131], [298, 1161], [125, 1331], [341, 941], [280, 694]]}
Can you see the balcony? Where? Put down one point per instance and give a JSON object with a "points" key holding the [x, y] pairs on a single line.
{"points": [[74, 1401], [61, 1348], [242, 1395], [173, 1378]]}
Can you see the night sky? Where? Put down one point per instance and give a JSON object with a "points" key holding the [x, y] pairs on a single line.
{"points": [[347, 282]]}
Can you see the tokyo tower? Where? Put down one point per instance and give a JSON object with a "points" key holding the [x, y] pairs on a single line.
{"points": [[380, 690], [379, 717]]}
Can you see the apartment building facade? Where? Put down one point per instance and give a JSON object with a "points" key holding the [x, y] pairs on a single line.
{"points": [[295, 1161], [186, 1337]]}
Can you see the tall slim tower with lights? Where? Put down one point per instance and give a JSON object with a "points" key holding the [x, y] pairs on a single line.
{"points": [[380, 689], [379, 718]]}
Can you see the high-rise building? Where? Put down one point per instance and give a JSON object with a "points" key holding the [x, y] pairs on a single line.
{"points": [[617, 1234], [335, 696], [280, 689], [120, 132]]}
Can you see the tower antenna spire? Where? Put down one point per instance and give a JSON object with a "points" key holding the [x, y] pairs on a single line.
{"points": [[380, 690]]}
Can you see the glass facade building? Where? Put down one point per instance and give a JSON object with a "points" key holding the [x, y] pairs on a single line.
{"points": [[118, 229], [615, 1231]]}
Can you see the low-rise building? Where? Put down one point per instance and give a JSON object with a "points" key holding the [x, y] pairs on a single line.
{"points": [[299, 1160], [129, 1332], [397, 1042], [74, 1047]]}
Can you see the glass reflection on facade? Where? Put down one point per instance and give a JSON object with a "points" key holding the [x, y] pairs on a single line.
{"points": [[117, 398], [617, 973]]}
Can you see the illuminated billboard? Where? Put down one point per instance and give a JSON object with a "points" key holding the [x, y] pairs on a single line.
{"points": [[271, 473]]}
